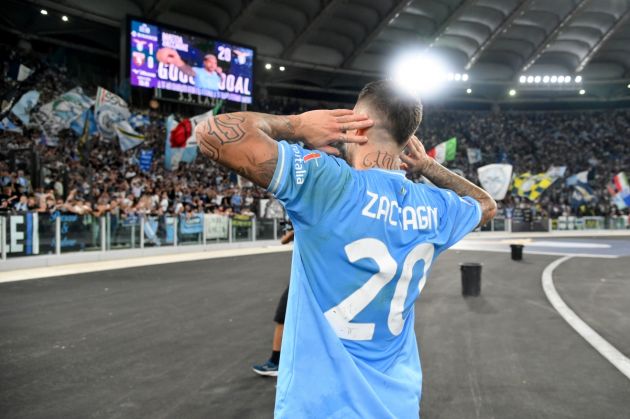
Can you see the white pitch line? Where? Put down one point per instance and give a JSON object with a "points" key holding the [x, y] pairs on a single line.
{"points": [[601, 345]]}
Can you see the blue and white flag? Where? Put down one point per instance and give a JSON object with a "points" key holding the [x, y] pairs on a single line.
{"points": [[145, 160], [621, 200], [23, 107], [139, 120], [581, 177], [109, 110], [556, 172], [79, 123], [495, 179], [63, 110], [582, 194], [7, 125], [127, 136]]}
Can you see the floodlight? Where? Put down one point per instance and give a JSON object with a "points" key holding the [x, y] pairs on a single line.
{"points": [[469, 90], [268, 66], [465, 77], [567, 79], [64, 18], [418, 72], [530, 79], [44, 12], [537, 79], [522, 79], [554, 79], [281, 68], [578, 79], [545, 79], [458, 77], [582, 91], [450, 76], [560, 79], [512, 92]]}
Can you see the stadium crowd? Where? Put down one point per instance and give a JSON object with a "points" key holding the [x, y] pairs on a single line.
{"points": [[110, 180]]}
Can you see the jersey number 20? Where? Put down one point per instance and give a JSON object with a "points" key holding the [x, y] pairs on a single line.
{"points": [[340, 316]]}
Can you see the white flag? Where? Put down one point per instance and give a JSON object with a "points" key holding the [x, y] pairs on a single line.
{"points": [[127, 136], [556, 172], [495, 179], [474, 155], [109, 110]]}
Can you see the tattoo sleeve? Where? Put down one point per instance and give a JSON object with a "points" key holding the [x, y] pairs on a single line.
{"points": [[243, 141], [444, 178]]}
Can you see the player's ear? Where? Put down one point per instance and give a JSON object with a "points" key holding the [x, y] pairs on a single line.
{"points": [[405, 145]]}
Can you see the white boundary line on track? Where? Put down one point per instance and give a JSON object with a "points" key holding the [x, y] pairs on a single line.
{"points": [[619, 360]]}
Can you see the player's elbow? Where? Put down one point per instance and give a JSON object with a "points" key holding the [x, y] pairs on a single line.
{"points": [[488, 210], [208, 144]]}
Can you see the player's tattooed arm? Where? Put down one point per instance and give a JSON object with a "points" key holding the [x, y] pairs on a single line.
{"points": [[243, 141], [417, 161]]}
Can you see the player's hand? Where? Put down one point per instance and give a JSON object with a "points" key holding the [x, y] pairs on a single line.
{"points": [[415, 160], [321, 128], [169, 56]]}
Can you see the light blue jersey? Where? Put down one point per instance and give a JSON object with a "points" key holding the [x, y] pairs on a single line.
{"points": [[364, 242], [206, 80]]}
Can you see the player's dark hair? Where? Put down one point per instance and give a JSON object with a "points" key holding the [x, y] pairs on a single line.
{"points": [[401, 113]]}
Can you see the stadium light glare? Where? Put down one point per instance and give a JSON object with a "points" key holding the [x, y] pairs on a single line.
{"points": [[553, 79], [465, 77], [421, 73], [458, 77], [512, 92], [530, 79], [469, 90], [450, 76], [64, 18], [545, 79], [578, 79], [44, 12], [268, 66], [537, 79], [281, 68], [582, 91], [522, 79]]}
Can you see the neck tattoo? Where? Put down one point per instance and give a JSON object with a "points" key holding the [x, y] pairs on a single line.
{"points": [[381, 159]]}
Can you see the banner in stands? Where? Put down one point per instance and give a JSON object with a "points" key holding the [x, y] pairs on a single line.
{"points": [[216, 226], [191, 225], [176, 60], [22, 235]]}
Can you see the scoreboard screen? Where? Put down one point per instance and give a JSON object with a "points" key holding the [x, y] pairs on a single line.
{"points": [[179, 61]]}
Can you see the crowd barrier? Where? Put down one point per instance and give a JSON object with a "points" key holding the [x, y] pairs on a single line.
{"points": [[28, 234]]}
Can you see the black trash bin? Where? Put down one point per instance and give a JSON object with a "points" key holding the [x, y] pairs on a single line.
{"points": [[517, 251], [471, 279]]}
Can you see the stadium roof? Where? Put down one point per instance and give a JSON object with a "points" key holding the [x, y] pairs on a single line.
{"points": [[336, 45]]}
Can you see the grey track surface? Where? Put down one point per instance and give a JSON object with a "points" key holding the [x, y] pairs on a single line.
{"points": [[177, 341], [599, 290]]}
